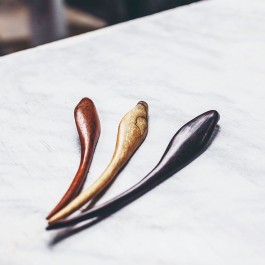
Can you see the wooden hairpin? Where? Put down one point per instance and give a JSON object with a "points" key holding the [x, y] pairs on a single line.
{"points": [[88, 127]]}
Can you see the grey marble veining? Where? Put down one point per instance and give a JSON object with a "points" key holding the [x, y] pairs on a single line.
{"points": [[208, 55]]}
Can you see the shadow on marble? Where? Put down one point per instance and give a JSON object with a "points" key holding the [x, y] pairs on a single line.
{"points": [[68, 232]]}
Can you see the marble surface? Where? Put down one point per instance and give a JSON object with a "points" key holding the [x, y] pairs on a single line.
{"points": [[208, 55]]}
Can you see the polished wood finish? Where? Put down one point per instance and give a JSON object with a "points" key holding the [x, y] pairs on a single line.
{"points": [[88, 127], [186, 145], [131, 133]]}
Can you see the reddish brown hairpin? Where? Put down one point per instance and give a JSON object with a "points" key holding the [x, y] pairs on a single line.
{"points": [[88, 127]]}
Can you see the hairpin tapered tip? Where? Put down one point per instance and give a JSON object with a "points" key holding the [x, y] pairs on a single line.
{"points": [[48, 228], [50, 215], [53, 226]]}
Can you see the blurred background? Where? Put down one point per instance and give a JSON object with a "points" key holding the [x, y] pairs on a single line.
{"points": [[28, 23]]}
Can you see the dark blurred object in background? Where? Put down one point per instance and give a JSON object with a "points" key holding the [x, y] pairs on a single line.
{"points": [[14, 30], [116, 11], [47, 20], [27, 23]]}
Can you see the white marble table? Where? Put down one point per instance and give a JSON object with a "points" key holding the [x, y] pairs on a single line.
{"points": [[209, 55]]}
